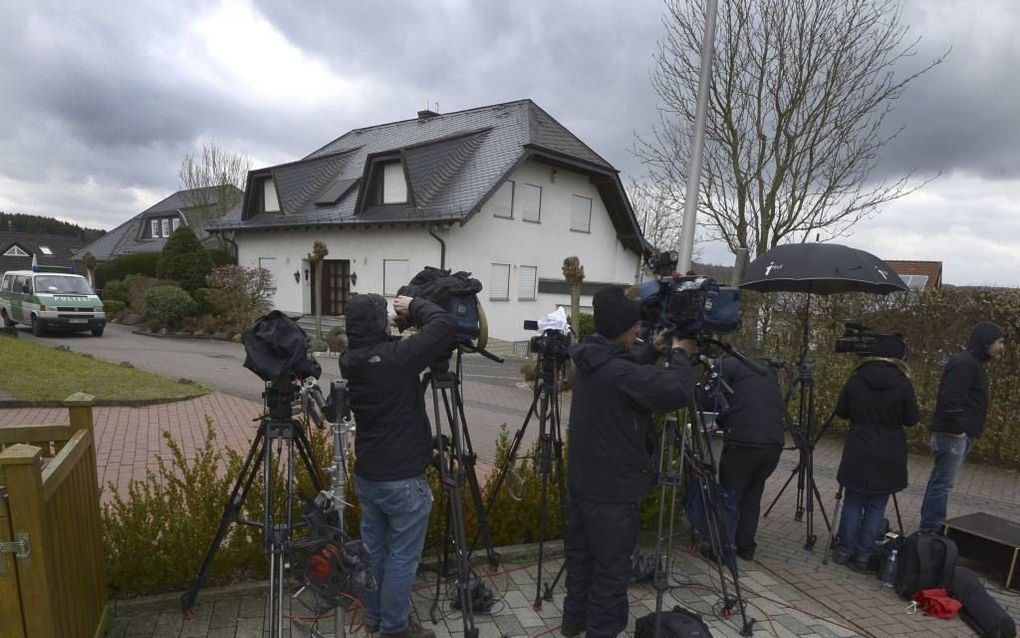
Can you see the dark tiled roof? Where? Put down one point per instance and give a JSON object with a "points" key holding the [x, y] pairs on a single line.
{"points": [[63, 248], [128, 238], [454, 162]]}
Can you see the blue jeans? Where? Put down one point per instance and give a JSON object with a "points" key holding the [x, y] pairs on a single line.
{"points": [[861, 524], [394, 519], [950, 450]]}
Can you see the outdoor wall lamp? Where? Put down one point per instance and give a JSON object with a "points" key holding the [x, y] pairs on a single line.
{"points": [[297, 277], [354, 279]]}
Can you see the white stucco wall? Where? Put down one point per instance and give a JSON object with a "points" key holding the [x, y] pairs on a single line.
{"points": [[484, 240]]}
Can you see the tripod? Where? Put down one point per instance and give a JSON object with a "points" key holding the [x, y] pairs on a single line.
{"points": [[455, 460], [549, 456], [288, 434], [807, 489], [688, 454]]}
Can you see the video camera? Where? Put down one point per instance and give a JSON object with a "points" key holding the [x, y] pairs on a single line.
{"points": [[687, 306], [457, 293], [858, 339], [551, 343]]}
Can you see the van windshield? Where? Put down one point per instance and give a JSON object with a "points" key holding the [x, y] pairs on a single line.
{"points": [[56, 285]]}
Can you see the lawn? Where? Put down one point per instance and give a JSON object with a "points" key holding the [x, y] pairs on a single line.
{"points": [[30, 372]]}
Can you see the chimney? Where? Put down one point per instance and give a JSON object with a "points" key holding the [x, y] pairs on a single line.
{"points": [[426, 114]]}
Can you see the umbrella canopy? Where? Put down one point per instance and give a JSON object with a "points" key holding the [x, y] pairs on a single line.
{"points": [[821, 269]]}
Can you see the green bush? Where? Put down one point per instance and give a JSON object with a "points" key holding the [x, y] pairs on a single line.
{"points": [[240, 295], [169, 305], [116, 291], [184, 260], [120, 267], [587, 326], [113, 307], [220, 257], [138, 286]]}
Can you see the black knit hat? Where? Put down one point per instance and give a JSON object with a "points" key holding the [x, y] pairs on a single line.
{"points": [[890, 347], [614, 312]]}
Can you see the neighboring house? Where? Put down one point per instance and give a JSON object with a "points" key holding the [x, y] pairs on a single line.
{"points": [[504, 192], [16, 250], [918, 275], [147, 231]]}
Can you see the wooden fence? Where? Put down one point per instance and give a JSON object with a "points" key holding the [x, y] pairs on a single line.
{"points": [[52, 579]]}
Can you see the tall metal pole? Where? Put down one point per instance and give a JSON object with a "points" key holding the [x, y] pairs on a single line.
{"points": [[698, 143]]}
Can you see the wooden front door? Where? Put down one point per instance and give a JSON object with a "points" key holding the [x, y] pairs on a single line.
{"points": [[336, 286]]}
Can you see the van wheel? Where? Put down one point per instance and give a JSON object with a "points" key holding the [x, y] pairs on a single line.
{"points": [[37, 328], [97, 332], [7, 320]]}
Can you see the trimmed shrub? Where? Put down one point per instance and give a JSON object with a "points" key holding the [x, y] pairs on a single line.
{"points": [[121, 267], [184, 260], [169, 305], [112, 307], [220, 257], [240, 294], [116, 291], [137, 287], [587, 326]]}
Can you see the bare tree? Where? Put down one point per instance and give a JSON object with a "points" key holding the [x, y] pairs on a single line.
{"points": [[315, 259], [214, 180], [655, 210], [797, 114]]}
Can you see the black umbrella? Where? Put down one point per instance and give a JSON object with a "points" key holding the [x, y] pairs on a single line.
{"points": [[821, 269]]}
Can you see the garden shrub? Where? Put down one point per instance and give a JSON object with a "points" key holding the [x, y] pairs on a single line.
{"points": [[137, 287], [184, 260], [169, 305], [587, 325], [116, 291], [120, 267], [220, 257], [112, 307], [240, 295]]}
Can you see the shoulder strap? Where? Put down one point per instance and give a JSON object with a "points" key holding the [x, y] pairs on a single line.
{"points": [[924, 564], [949, 563]]}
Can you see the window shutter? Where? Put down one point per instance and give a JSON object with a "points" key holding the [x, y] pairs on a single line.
{"points": [[531, 203], [503, 201], [580, 214], [394, 184], [499, 282], [270, 202], [396, 273], [527, 282]]}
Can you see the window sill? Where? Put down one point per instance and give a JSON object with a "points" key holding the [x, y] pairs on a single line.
{"points": [[583, 232], [502, 217], [499, 299], [527, 299], [533, 221]]}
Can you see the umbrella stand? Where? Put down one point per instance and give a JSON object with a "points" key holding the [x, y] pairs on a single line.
{"points": [[807, 489]]}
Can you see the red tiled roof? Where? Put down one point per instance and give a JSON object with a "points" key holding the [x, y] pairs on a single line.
{"points": [[930, 269]]}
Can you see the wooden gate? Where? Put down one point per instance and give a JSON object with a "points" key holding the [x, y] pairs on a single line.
{"points": [[54, 580]]}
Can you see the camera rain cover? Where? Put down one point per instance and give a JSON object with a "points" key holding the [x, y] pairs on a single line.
{"points": [[276, 347]]}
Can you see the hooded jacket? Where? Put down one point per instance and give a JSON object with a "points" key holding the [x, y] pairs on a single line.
{"points": [[962, 403], [611, 442], [754, 417], [393, 440], [879, 401]]}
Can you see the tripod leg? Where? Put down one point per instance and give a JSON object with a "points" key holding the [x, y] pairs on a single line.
{"points": [[307, 455], [775, 500], [230, 512], [561, 486], [896, 506], [835, 520], [545, 469]]}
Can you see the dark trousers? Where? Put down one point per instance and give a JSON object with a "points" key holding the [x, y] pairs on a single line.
{"points": [[744, 470], [600, 540]]}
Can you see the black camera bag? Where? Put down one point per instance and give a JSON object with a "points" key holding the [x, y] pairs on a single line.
{"points": [[980, 610], [926, 561], [456, 293], [679, 623]]}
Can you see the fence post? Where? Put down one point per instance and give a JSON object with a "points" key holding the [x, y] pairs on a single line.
{"points": [[22, 468], [79, 406]]}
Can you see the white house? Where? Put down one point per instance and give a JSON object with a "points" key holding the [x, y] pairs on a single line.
{"points": [[504, 192]]}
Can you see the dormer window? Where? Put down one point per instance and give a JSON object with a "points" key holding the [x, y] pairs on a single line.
{"points": [[394, 187], [45, 250], [270, 202], [15, 251]]}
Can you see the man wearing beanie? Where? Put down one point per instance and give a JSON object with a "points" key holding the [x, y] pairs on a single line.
{"points": [[611, 459], [959, 417], [393, 442], [879, 401]]}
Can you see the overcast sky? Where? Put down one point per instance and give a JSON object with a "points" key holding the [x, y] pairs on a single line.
{"points": [[100, 100]]}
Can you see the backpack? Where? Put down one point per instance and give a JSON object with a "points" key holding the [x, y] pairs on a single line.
{"points": [[926, 561], [980, 610], [679, 623]]}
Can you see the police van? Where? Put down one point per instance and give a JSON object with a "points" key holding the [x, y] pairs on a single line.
{"points": [[50, 298]]}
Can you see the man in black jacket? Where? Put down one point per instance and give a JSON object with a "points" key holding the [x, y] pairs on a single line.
{"points": [[959, 417], [752, 443], [611, 459], [879, 401], [393, 442]]}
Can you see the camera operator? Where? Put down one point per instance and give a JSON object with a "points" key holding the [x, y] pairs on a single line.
{"points": [[611, 467], [959, 418], [753, 442], [393, 442], [879, 401]]}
